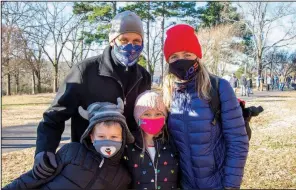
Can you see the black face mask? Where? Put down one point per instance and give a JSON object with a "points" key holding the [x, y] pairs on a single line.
{"points": [[184, 69]]}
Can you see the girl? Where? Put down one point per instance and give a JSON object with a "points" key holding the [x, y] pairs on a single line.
{"points": [[212, 154], [151, 160]]}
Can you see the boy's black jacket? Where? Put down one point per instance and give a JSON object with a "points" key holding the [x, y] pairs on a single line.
{"points": [[80, 166]]}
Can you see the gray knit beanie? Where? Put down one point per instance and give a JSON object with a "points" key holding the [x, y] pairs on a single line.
{"points": [[125, 22], [105, 111]]}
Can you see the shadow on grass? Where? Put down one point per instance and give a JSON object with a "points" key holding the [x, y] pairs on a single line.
{"points": [[16, 145], [27, 104], [262, 101]]}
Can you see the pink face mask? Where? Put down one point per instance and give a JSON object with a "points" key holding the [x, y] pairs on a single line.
{"points": [[152, 126]]}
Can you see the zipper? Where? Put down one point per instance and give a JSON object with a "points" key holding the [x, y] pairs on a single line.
{"points": [[131, 89], [153, 164], [118, 83], [97, 173], [124, 96]]}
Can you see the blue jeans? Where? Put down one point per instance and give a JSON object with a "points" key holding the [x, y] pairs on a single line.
{"points": [[243, 90], [281, 87]]}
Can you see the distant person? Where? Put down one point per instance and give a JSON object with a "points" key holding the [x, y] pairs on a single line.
{"points": [[276, 82], [95, 162], [261, 83], [288, 81], [282, 82], [258, 82], [272, 82], [234, 82], [293, 83], [243, 82], [268, 83], [249, 86]]}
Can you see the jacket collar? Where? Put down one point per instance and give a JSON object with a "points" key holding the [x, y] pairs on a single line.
{"points": [[139, 139], [107, 64]]}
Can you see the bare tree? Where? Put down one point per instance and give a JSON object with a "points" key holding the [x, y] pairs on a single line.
{"points": [[262, 18], [76, 47], [55, 32], [12, 14], [218, 46]]}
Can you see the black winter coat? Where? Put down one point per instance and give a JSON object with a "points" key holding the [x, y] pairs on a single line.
{"points": [[78, 168], [92, 80], [162, 174], [250, 83]]}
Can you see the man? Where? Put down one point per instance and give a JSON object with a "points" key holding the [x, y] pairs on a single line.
{"points": [[282, 82], [243, 82], [276, 82], [288, 80], [258, 82], [268, 82], [103, 78], [233, 82]]}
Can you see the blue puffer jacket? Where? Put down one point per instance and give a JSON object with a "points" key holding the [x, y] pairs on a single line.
{"points": [[210, 156]]}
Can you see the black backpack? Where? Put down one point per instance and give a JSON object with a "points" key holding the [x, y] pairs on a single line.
{"points": [[215, 105]]}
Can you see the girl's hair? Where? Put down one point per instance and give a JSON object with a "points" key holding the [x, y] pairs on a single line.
{"points": [[202, 84], [164, 138]]}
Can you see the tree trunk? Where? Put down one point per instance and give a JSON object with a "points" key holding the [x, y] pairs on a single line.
{"points": [[162, 40], [148, 29], [55, 79], [114, 8], [8, 91], [38, 84], [260, 67], [33, 82], [16, 76], [259, 62]]}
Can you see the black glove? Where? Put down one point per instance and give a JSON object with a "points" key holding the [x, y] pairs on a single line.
{"points": [[44, 165], [252, 111]]}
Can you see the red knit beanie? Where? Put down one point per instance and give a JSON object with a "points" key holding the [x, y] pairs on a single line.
{"points": [[181, 37]]}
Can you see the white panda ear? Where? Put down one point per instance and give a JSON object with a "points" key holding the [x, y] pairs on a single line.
{"points": [[120, 104], [83, 112]]}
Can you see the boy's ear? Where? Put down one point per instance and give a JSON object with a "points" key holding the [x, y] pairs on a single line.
{"points": [[91, 137]]}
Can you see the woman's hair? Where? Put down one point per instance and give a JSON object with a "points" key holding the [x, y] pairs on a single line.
{"points": [[202, 84]]}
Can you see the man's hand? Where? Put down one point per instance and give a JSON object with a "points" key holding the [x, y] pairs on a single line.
{"points": [[44, 165]]}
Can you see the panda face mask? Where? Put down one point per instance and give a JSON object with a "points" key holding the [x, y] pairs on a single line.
{"points": [[107, 148]]}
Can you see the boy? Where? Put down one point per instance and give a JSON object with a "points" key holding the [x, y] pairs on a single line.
{"points": [[95, 162]]}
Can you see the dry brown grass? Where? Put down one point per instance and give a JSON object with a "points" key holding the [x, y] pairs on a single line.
{"points": [[24, 109], [16, 163], [271, 162]]}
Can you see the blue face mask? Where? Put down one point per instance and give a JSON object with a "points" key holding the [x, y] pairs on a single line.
{"points": [[127, 54], [107, 148]]}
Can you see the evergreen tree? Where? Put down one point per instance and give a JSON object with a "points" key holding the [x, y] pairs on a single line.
{"points": [[99, 15]]}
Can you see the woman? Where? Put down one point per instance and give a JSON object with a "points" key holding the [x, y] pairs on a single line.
{"points": [[211, 156]]}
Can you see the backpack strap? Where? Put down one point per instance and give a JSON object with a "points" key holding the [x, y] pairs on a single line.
{"points": [[215, 103]]}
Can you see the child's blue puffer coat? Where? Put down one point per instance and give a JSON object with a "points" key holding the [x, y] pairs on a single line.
{"points": [[210, 156]]}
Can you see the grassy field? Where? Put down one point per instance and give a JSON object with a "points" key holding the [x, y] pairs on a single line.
{"points": [[24, 109], [271, 162]]}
